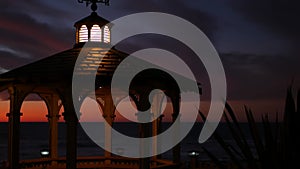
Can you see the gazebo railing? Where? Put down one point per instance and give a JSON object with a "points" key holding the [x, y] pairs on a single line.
{"points": [[93, 162]]}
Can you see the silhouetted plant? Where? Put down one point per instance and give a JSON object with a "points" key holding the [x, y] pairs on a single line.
{"points": [[276, 145]]}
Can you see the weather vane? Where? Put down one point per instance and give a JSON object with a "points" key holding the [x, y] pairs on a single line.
{"points": [[94, 3]]}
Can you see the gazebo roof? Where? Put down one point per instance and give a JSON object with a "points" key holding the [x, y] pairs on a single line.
{"points": [[59, 67]]}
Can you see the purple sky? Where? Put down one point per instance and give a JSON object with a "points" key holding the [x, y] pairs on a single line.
{"points": [[258, 41]]}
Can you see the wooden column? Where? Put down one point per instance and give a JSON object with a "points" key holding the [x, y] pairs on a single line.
{"points": [[144, 130], [108, 114], [53, 117], [71, 120], [16, 100], [156, 123], [175, 115], [159, 130]]}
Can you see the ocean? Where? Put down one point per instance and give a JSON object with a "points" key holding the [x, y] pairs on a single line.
{"points": [[34, 137]]}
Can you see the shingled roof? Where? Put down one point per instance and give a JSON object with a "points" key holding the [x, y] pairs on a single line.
{"points": [[60, 67]]}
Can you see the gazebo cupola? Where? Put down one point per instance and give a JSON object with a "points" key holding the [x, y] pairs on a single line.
{"points": [[93, 28]]}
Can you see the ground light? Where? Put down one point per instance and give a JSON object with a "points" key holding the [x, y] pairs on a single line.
{"points": [[45, 153]]}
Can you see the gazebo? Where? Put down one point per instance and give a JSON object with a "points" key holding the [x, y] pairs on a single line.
{"points": [[51, 79]]}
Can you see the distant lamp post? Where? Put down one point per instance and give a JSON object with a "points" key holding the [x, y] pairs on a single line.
{"points": [[45, 153], [193, 159]]}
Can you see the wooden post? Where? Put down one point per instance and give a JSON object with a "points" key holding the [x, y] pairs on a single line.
{"points": [[71, 120], [175, 115], [144, 116], [53, 117], [108, 115], [16, 100], [144, 163], [156, 123]]}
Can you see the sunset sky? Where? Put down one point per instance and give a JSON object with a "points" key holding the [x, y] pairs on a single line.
{"points": [[258, 42]]}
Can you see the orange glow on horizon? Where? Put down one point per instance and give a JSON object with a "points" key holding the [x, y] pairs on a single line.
{"points": [[36, 111], [33, 111]]}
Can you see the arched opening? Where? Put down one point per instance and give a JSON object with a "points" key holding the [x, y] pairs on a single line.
{"points": [[4, 105], [126, 111], [126, 122], [4, 109], [83, 34], [106, 34], [96, 33], [91, 113], [34, 128]]}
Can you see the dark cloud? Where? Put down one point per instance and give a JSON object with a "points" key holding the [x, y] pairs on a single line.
{"points": [[206, 22], [9, 60], [39, 7], [277, 16], [21, 32], [254, 76], [259, 76]]}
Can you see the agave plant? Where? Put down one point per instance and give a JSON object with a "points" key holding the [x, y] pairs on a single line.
{"points": [[276, 145]]}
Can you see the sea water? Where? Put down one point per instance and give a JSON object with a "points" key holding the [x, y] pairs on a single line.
{"points": [[34, 137]]}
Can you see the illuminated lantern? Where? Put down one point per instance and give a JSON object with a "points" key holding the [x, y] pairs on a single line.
{"points": [[93, 29]]}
